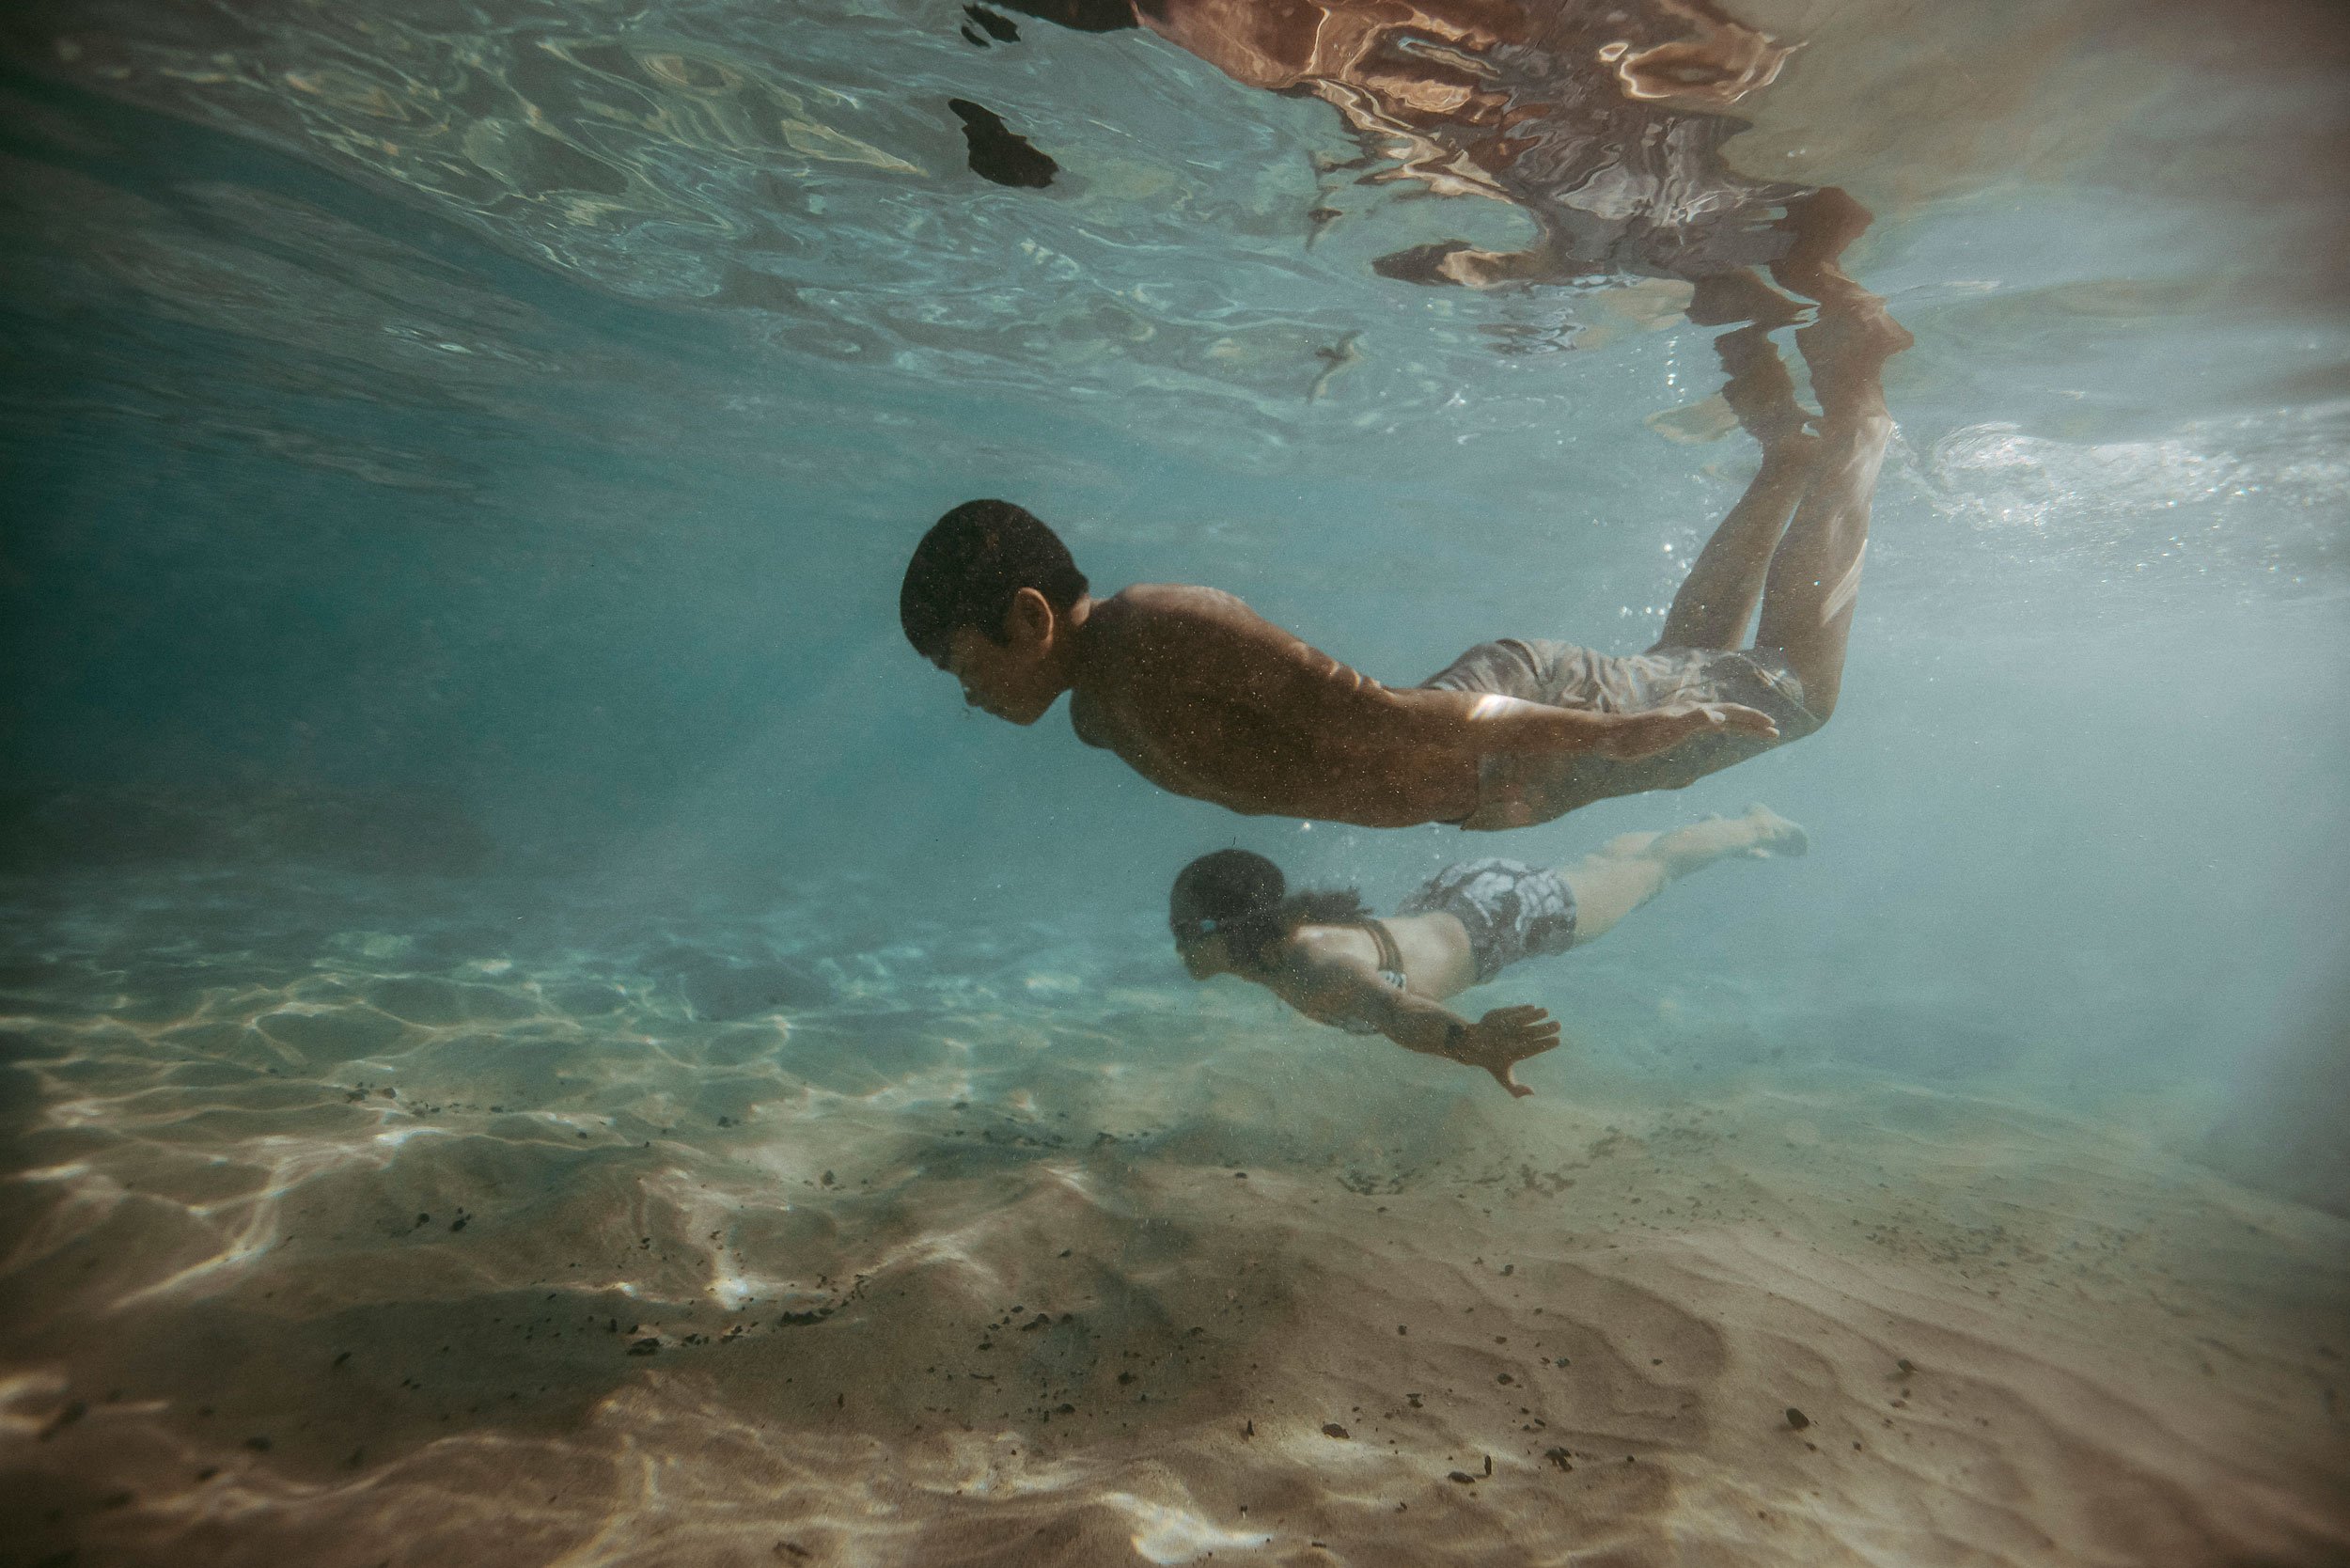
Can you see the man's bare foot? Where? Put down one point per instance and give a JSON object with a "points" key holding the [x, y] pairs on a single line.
{"points": [[1824, 223], [1846, 350], [1760, 391]]}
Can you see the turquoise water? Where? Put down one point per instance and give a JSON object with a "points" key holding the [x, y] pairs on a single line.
{"points": [[461, 762]]}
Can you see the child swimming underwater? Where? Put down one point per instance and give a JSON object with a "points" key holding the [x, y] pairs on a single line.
{"points": [[1326, 956]]}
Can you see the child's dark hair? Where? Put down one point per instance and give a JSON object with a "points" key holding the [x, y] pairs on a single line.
{"points": [[1243, 895], [971, 564]]}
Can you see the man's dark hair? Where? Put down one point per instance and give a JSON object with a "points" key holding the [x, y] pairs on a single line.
{"points": [[971, 564], [1244, 896]]}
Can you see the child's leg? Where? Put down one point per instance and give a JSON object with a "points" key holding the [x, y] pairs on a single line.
{"points": [[1717, 598], [1631, 870]]}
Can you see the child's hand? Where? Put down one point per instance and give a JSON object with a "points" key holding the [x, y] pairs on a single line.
{"points": [[1505, 1037]]}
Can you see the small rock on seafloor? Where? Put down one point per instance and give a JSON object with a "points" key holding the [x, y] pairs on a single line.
{"points": [[1796, 1418]]}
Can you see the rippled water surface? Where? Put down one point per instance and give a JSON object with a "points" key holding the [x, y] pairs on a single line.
{"points": [[538, 1030]]}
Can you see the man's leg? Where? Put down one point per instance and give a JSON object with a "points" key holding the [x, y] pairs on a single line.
{"points": [[1629, 871], [1718, 599], [1823, 224], [1815, 575]]}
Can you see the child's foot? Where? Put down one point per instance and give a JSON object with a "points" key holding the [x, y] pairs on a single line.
{"points": [[1775, 837]]}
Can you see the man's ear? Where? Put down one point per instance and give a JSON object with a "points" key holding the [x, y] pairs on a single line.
{"points": [[1030, 620]]}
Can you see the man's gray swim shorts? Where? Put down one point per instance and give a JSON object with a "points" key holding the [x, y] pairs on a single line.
{"points": [[1511, 910], [1518, 792]]}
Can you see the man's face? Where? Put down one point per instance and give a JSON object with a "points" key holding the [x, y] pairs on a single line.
{"points": [[1010, 680]]}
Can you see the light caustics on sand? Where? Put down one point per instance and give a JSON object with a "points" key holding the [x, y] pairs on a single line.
{"points": [[1185, 1307]]}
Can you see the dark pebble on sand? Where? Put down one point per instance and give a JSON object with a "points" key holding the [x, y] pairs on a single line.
{"points": [[1463, 1477], [1796, 1418], [1904, 1366], [1558, 1457], [1332, 1428], [644, 1347]]}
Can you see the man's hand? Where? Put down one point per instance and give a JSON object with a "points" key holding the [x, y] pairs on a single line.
{"points": [[1640, 735], [1503, 1038]]}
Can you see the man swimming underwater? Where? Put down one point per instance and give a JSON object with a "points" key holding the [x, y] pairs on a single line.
{"points": [[1203, 696]]}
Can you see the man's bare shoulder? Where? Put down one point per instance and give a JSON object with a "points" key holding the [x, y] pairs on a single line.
{"points": [[1146, 604], [1152, 618]]}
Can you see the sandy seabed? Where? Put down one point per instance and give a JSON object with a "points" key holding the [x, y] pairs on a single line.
{"points": [[330, 1240]]}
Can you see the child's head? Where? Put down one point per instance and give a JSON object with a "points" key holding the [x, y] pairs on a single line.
{"points": [[986, 596], [1224, 909], [1227, 908]]}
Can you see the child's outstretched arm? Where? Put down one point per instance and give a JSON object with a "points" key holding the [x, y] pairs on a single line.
{"points": [[1336, 992]]}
